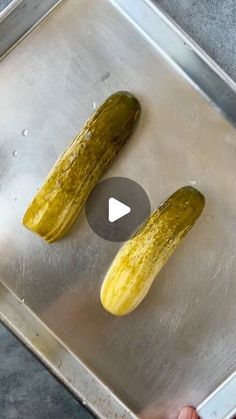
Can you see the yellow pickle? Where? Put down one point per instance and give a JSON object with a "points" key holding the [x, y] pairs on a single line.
{"points": [[140, 259]]}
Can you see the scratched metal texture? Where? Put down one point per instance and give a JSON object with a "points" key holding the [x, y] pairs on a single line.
{"points": [[180, 343]]}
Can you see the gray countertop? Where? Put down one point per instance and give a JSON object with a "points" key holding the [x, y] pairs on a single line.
{"points": [[27, 389], [212, 24]]}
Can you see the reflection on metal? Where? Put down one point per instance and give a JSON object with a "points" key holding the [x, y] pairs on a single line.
{"points": [[19, 18], [222, 402], [180, 343]]}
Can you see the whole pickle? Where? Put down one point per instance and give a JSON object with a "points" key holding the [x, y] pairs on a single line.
{"points": [[74, 175], [142, 257]]}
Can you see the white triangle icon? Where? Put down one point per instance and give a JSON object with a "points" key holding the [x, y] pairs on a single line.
{"points": [[117, 210]]}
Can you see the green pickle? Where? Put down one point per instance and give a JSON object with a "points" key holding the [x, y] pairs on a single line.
{"points": [[143, 256], [70, 181]]}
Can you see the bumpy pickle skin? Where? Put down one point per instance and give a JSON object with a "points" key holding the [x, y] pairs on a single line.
{"points": [[140, 259], [76, 172]]}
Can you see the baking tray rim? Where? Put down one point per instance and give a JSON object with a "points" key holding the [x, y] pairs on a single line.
{"points": [[11, 317]]}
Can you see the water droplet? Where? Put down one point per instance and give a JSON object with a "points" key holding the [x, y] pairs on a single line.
{"points": [[22, 301], [84, 402], [208, 218], [14, 153], [192, 182], [25, 132], [15, 199], [94, 105], [125, 80]]}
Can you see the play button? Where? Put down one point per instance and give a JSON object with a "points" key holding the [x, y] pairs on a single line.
{"points": [[116, 208]]}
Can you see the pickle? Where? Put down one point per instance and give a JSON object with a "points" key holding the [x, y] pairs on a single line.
{"points": [[139, 260], [74, 175]]}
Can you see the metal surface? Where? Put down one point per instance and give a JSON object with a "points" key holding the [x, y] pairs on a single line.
{"points": [[163, 33], [179, 345], [222, 402], [20, 17]]}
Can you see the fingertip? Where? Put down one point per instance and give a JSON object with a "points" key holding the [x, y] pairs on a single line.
{"points": [[188, 413]]}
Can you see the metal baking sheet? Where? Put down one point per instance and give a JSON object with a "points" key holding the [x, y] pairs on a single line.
{"points": [[179, 345]]}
